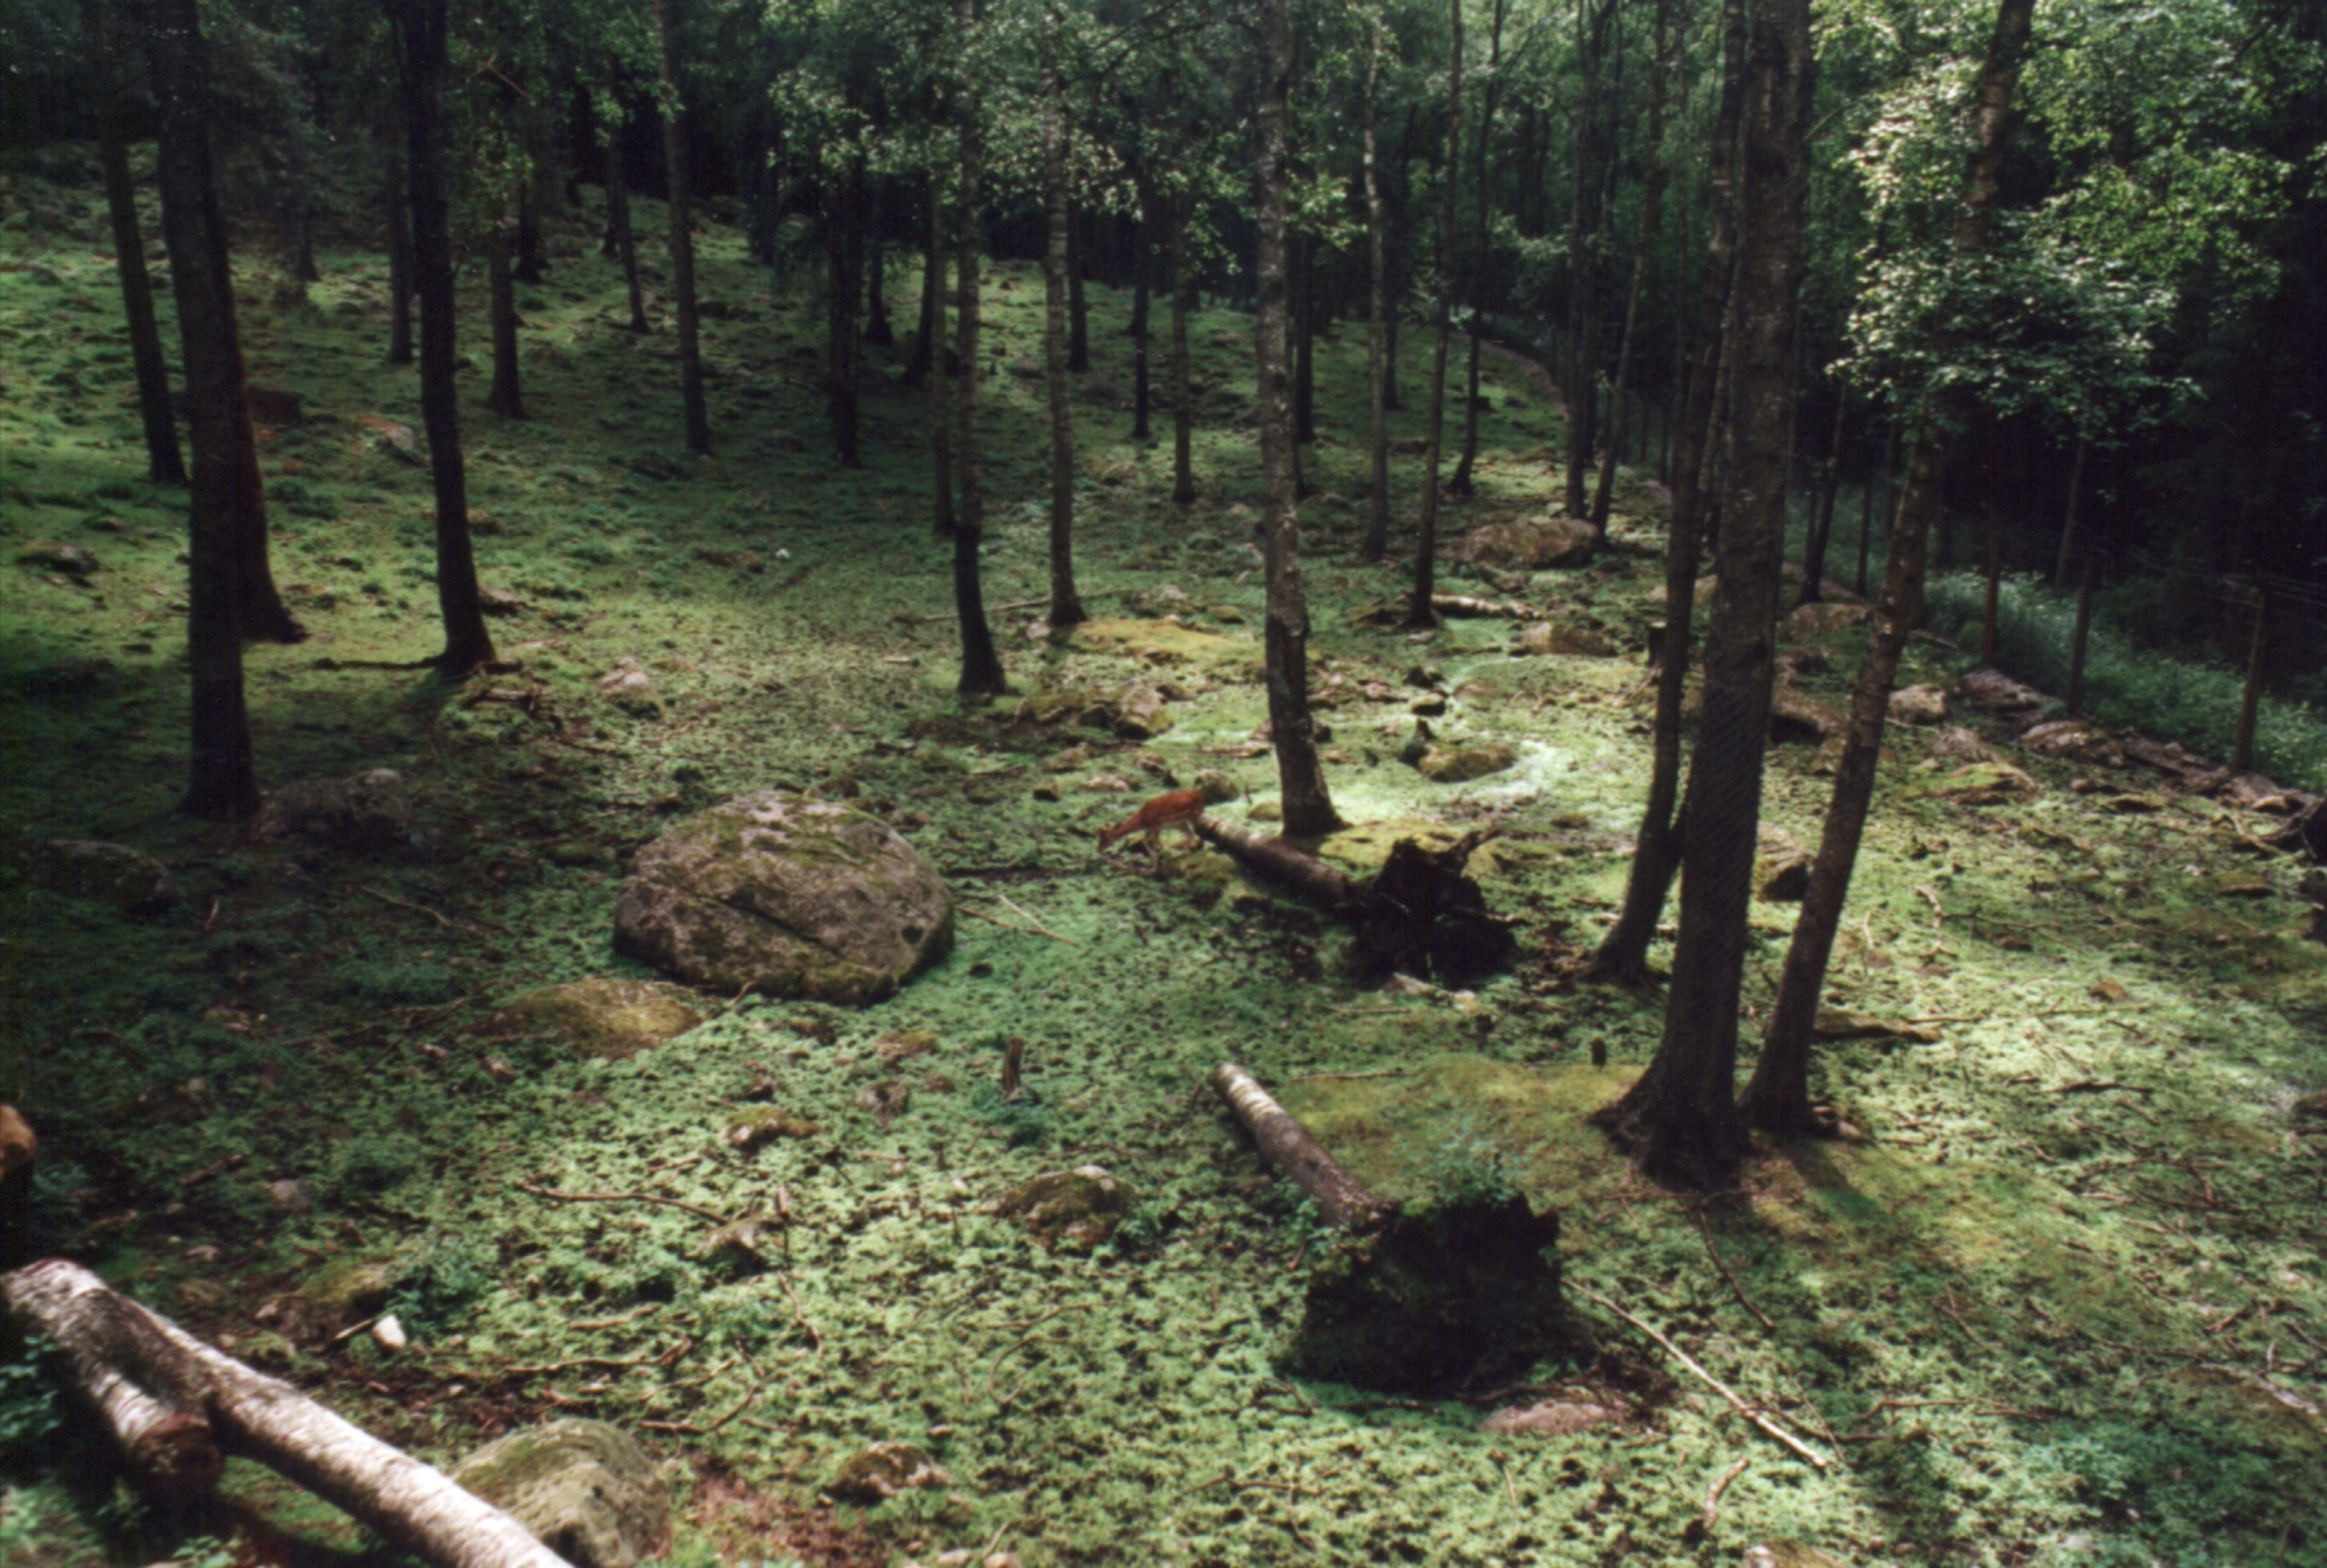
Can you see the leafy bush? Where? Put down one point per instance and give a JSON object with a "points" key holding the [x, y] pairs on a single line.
{"points": [[1467, 1166]]}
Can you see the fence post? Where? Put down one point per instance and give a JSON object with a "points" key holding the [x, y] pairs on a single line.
{"points": [[2076, 695], [2242, 750]]}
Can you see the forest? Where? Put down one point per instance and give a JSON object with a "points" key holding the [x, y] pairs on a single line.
{"points": [[913, 783]]}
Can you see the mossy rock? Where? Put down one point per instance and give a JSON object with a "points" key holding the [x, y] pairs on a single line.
{"points": [[1166, 642], [606, 1018], [586, 1489], [338, 1295], [1443, 1296], [1978, 784], [1081, 1207], [1528, 546], [1808, 622], [880, 1471], [754, 1127], [1788, 1554], [1556, 637], [113, 875], [1444, 764]]}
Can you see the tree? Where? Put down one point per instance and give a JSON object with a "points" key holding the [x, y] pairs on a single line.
{"points": [[425, 25], [164, 462], [1592, 23], [1377, 270], [1459, 484], [1652, 209], [222, 780], [1778, 1098], [1419, 610], [682, 239], [1066, 608], [1680, 1119], [1308, 809]]}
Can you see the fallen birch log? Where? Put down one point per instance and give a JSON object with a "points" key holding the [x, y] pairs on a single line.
{"points": [[1341, 1200], [113, 1344], [1280, 862]]}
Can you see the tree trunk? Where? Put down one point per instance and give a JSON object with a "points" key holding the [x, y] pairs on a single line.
{"points": [[916, 363], [1623, 953], [1778, 1099], [1870, 507], [413, 1506], [426, 26], [970, 512], [1582, 383], [1341, 1200], [1419, 612], [1680, 1119], [505, 399], [1308, 809], [222, 782], [682, 241], [2069, 522], [399, 263], [1653, 212], [619, 236], [533, 134], [877, 330], [934, 325], [1461, 483], [1304, 291], [1183, 381], [844, 277], [164, 462], [1821, 531], [1078, 306], [1066, 608], [1376, 252], [1143, 265]]}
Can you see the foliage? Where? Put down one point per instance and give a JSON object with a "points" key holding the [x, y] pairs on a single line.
{"points": [[1467, 1165], [31, 1403], [438, 1288]]}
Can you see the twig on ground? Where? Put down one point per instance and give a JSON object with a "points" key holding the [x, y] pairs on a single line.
{"points": [[1027, 915], [1705, 1229], [692, 1429], [557, 1197], [1753, 1412], [1303, 1078], [1713, 1497], [799, 1315]]}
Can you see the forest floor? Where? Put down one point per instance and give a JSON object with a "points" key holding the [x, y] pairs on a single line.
{"points": [[2065, 1304]]}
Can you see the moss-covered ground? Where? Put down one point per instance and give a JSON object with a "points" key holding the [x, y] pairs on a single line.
{"points": [[2063, 1305]]}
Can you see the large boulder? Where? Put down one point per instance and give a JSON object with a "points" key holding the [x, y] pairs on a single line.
{"points": [[362, 814], [789, 896], [586, 1489], [1528, 547]]}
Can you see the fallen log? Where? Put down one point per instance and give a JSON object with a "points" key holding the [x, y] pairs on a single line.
{"points": [[1280, 861], [1341, 1200], [1423, 1301], [111, 1342]]}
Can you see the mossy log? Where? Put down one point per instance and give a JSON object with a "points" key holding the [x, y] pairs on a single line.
{"points": [[1280, 861], [1426, 1301], [119, 1350]]}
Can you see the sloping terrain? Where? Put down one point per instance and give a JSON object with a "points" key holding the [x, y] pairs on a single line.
{"points": [[2064, 1303]]}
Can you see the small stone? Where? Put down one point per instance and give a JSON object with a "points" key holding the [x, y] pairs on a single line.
{"points": [[1919, 705], [905, 1044], [388, 1333], [881, 1471], [362, 814], [584, 1488], [631, 689], [1082, 1206], [75, 560], [1460, 764], [498, 600], [289, 1196], [606, 1018], [1046, 791], [1429, 708], [1548, 637], [751, 1130], [886, 1101], [2312, 1107], [1550, 1418], [109, 873]]}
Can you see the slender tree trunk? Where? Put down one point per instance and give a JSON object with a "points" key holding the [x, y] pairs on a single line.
{"points": [[1680, 1119], [1653, 212], [222, 781], [1879, 479], [1376, 367], [1584, 232], [877, 330], [164, 462], [1066, 608], [1303, 250], [528, 260], [427, 27], [933, 323], [1778, 1099], [682, 241], [399, 263], [1419, 611], [1814, 547], [844, 274], [1624, 953], [619, 236], [505, 399], [1183, 379], [2075, 695], [916, 363], [2069, 522], [1301, 777], [981, 668], [1390, 399], [1459, 484], [1078, 306], [1143, 267]]}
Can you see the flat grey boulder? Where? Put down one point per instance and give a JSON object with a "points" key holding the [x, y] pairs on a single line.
{"points": [[110, 874], [586, 1489], [361, 814], [789, 896]]}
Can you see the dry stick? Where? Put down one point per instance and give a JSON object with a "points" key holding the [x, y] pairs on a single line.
{"points": [[556, 1196], [800, 1313], [693, 1430], [1712, 1498], [997, 920], [1705, 1230], [1751, 1412], [1028, 916]]}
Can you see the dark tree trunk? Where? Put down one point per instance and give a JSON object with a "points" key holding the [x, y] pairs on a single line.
{"points": [[426, 26], [1390, 399], [1778, 1099], [1066, 607], [1583, 237], [1419, 611], [1680, 1119], [399, 264], [505, 399], [533, 127], [1459, 484], [1623, 953], [1308, 809], [1821, 531], [1653, 212], [843, 251], [2068, 521], [1304, 366], [1183, 379], [981, 668], [1143, 268], [932, 311], [1077, 307], [877, 331], [621, 239], [933, 267], [682, 241], [1376, 367], [164, 462], [222, 781]]}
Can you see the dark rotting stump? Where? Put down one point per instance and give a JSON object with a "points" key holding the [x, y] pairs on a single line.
{"points": [[1427, 1299]]}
